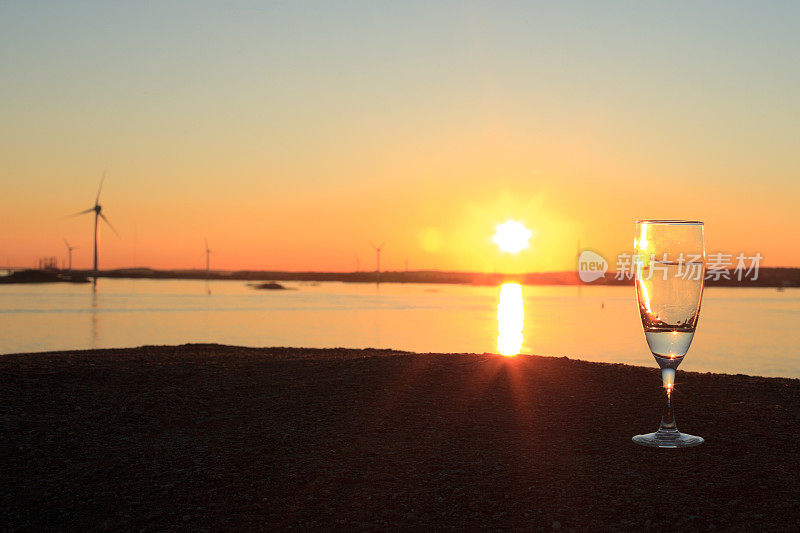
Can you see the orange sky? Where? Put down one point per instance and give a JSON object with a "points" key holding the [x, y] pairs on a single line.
{"points": [[294, 149]]}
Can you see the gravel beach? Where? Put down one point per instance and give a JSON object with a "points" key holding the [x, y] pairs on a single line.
{"points": [[208, 437]]}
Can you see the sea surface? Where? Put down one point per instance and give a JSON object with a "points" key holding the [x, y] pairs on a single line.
{"points": [[749, 331]]}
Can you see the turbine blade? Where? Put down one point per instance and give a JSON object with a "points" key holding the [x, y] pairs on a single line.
{"points": [[370, 243], [109, 224], [100, 188], [382, 245], [80, 213], [67, 243], [206, 243]]}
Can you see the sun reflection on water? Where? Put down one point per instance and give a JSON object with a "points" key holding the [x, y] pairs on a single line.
{"points": [[510, 319]]}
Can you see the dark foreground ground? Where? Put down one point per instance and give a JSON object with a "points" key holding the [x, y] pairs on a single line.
{"points": [[211, 437]]}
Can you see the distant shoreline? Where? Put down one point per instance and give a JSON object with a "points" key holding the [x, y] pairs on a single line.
{"points": [[768, 277]]}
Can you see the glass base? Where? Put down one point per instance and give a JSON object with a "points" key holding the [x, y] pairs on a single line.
{"points": [[668, 439]]}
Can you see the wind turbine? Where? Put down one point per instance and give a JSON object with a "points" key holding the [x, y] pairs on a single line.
{"points": [[98, 213], [69, 251], [378, 259], [378, 256], [208, 256]]}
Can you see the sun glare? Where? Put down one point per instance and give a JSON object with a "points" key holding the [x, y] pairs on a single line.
{"points": [[512, 236], [510, 319]]}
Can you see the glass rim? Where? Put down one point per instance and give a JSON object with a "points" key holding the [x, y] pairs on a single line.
{"points": [[671, 222]]}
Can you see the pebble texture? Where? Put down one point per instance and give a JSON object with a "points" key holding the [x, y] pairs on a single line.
{"points": [[206, 437]]}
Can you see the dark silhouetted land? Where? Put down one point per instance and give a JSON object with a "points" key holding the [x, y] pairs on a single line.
{"points": [[212, 437], [43, 276], [268, 286], [768, 277]]}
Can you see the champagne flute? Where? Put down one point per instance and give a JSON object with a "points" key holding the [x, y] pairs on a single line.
{"points": [[670, 269]]}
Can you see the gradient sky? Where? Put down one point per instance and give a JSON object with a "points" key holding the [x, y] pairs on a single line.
{"points": [[291, 134]]}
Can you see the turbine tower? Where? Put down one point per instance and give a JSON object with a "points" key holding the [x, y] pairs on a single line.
{"points": [[98, 214], [378, 261], [208, 259], [378, 256], [69, 252]]}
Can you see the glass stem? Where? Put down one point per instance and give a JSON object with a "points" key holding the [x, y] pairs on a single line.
{"points": [[667, 418]]}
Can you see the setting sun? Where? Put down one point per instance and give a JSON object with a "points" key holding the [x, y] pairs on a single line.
{"points": [[512, 236]]}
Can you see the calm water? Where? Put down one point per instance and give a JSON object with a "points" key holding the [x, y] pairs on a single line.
{"points": [[751, 331]]}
